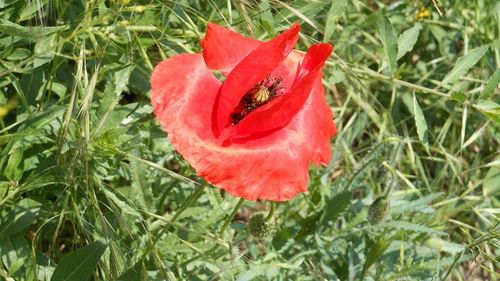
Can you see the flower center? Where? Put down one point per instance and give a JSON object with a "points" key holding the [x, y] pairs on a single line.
{"points": [[260, 94]]}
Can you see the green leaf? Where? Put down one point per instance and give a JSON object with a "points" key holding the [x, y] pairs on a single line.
{"points": [[123, 206], [133, 273], [12, 250], [465, 63], [58, 88], [337, 76], [45, 49], [374, 250], [445, 246], [4, 187], [490, 183], [491, 86], [419, 205], [266, 17], [112, 95], [19, 218], [408, 226], [31, 9], [14, 169], [407, 40], [335, 206], [35, 33], [308, 225], [490, 109], [422, 130], [389, 40], [337, 8], [19, 54], [79, 264], [16, 265], [459, 97]]}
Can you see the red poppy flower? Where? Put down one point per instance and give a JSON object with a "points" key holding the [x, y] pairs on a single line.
{"points": [[255, 134]]}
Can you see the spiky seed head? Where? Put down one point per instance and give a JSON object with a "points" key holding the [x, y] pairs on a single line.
{"points": [[378, 210], [258, 226]]}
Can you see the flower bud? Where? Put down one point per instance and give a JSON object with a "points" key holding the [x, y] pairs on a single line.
{"points": [[258, 226], [378, 210]]}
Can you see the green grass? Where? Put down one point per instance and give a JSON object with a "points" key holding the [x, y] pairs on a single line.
{"points": [[90, 187]]}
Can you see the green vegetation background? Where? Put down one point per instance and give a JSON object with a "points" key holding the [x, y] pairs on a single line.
{"points": [[90, 187]]}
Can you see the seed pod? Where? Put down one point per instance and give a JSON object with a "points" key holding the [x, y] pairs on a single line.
{"points": [[261, 95], [258, 226], [378, 210]]}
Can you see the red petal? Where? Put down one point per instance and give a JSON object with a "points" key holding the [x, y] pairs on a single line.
{"points": [[318, 123], [176, 87], [277, 113], [255, 67], [274, 167], [223, 49]]}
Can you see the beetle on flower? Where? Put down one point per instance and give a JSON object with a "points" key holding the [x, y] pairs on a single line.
{"points": [[255, 134]]}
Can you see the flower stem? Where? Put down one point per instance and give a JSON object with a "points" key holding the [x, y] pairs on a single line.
{"points": [[221, 232], [189, 202], [231, 216], [271, 212]]}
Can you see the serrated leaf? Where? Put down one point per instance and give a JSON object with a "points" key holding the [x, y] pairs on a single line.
{"points": [[374, 250], [408, 226], [335, 206], [337, 8], [419, 205], [465, 63], [123, 206], [36, 32], [389, 40], [79, 264], [422, 130], [112, 95], [491, 86], [307, 226], [407, 40]]}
